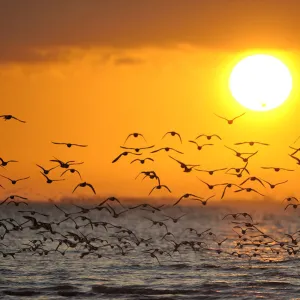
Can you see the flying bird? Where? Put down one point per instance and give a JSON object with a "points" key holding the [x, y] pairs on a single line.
{"points": [[167, 149], [9, 117], [71, 171], [183, 165], [272, 186], [69, 145], [14, 181], [199, 147], [211, 172], [84, 184], [211, 186], [135, 135], [293, 205], [238, 154], [142, 161], [253, 178], [67, 164], [137, 149], [276, 169], [46, 171], [173, 133], [124, 154], [252, 143], [209, 137], [290, 199], [158, 187], [50, 180], [5, 163], [185, 196], [228, 120], [248, 190]]}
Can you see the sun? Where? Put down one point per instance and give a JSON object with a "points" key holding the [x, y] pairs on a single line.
{"points": [[260, 82]]}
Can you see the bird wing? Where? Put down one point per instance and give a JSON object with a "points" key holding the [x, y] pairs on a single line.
{"points": [[76, 187], [91, 188], [117, 158], [220, 117], [238, 116], [129, 135], [176, 150], [18, 119]]}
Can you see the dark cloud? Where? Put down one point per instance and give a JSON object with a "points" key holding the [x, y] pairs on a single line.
{"points": [[31, 25]]}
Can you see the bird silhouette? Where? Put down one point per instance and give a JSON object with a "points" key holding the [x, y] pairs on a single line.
{"points": [[69, 145], [84, 184], [230, 121], [173, 133], [10, 117], [135, 135]]}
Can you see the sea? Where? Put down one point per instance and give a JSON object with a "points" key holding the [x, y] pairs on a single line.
{"points": [[134, 255]]}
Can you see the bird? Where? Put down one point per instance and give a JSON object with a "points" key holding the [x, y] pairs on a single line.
{"points": [[209, 137], [238, 154], [272, 186], [135, 135], [175, 220], [14, 181], [248, 190], [293, 205], [9, 117], [182, 164], [199, 147], [46, 171], [67, 164], [239, 169], [211, 186], [124, 154], [167, 149], [277, 169], [69, 145], [228, 120], [252, 143], [5, 163], [253, 178], [71, 171], [246, 159], [84, 184], [142, 161], [137, 149], [290, 199], [158, 187], [173, 133], [50, 180], [204, 202], [187, 195], [12, 197], [211, 172], [227, 186]]}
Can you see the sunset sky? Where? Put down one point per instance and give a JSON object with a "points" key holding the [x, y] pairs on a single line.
{"points": [[91, 72]]}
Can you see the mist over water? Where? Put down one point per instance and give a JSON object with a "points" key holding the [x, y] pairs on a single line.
{"points": [[129, 272]]}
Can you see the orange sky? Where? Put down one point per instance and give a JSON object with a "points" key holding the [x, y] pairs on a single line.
{"points": [[94, 73]]}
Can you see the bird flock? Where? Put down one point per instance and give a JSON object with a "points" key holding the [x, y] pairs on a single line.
{"points": [[99, 231]]}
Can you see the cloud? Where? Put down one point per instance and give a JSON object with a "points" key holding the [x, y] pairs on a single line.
{"points": [[27, 27], [128, 61]]}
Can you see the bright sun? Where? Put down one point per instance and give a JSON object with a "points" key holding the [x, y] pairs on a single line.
{"points": [[260, 82]]}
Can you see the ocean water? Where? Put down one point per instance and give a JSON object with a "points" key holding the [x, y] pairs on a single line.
{"points": [[269, 266]]}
